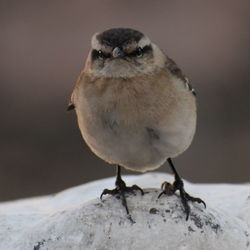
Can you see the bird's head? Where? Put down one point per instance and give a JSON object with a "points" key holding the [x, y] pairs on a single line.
{"points": [[123, 52]]}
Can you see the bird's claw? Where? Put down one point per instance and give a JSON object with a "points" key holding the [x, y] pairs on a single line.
{"points": [[120, 192], [170, 189]]}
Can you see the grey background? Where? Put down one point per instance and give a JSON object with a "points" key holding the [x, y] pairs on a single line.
{"points": [[43, 47]]}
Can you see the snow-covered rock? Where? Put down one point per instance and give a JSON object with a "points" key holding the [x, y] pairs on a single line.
{"points": [[77, 219]]}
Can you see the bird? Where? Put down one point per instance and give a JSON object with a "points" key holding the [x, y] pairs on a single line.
{"points": [[135, 108]]}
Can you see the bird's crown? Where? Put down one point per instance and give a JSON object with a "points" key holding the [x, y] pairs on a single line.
{"points": [[117, 37]]}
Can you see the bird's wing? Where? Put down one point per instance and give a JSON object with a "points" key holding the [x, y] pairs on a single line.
{"points": [[71, 106], [176, 71]]}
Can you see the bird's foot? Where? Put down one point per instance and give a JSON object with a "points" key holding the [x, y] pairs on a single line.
{"points": [[170, 189], [120, 191]]}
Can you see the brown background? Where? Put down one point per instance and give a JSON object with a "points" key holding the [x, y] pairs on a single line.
{"points": [[43, 46]]}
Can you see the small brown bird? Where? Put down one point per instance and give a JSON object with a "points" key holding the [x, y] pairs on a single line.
{"points": [[135, 108]]}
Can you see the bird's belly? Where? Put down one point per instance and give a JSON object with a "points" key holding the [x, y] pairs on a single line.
{"points": [[134, 151], [137, 127], [139, 148]]}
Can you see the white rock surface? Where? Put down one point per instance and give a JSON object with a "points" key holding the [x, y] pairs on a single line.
{"points": [[77, 219]]}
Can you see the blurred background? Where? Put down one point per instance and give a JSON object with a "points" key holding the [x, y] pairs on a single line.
{"points": [[43, 47]]}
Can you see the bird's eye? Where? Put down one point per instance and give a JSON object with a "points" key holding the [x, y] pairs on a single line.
{"points": [[139, 52], [100, 54]]}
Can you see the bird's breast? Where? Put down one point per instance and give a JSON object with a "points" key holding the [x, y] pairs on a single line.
{"points": [[124, 120]]}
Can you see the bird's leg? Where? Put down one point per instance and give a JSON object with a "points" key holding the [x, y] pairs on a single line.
{"points": [[178, 184], [121, 189]]}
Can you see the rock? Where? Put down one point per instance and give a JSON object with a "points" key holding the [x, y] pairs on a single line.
{"points": [[76, 219]]}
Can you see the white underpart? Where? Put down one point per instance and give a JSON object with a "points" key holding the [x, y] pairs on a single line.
{"points": [[129, 145]]}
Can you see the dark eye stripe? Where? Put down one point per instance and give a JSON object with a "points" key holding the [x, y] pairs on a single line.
{"points": [[144, 50], [96, 55], [147, 48]]}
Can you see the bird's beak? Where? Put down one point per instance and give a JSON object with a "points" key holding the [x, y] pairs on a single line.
{"points": [[117, 52]]}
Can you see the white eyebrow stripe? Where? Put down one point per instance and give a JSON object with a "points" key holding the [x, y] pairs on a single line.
{"points": [[144, 41], [95, 44]]}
